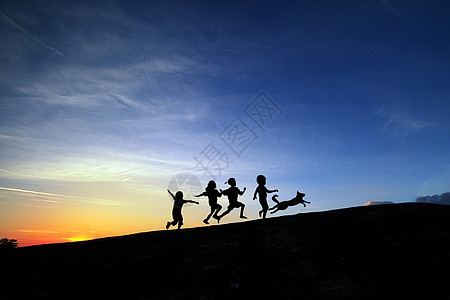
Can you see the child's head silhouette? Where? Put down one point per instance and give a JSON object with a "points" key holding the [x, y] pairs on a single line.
{"points": [[261, 179], [231, 181], [211, 185], [178, 195]]}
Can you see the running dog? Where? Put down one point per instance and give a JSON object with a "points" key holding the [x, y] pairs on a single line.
{"points": [[285, 204]]}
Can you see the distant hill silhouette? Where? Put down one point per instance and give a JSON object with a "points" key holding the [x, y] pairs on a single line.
{"points": [[398, 251]]}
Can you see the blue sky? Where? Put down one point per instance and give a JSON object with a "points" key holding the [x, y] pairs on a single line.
{"points": [[104, 102]]}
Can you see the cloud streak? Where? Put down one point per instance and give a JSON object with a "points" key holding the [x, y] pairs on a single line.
{"points": [[92, 201], [401, 123], [31, 192], [8, 20], [395, 11]]}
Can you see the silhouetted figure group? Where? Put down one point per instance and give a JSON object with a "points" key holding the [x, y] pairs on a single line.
{"points": [[233, 192]]}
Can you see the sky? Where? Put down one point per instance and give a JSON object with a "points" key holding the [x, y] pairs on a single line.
{"points": [[104, 105]]}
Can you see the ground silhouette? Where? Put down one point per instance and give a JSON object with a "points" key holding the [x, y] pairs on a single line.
{"points": [[396, 251]]}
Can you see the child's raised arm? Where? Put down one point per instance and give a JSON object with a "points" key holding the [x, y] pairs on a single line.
{"points": [[171, 194], [272, 191]]}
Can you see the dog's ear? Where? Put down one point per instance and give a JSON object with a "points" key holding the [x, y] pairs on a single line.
{"points": [[298, 193]]}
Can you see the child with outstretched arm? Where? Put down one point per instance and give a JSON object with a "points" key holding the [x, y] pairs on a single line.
{"points": [[178, 202], [212, 194], [262, 191]]}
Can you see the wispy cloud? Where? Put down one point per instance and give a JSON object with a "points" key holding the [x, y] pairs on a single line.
{"points": [[31, 192], [63, 198], [10, 22], [41, 231], [401, 122], [406, 123], [395, 11], [6, 137]]}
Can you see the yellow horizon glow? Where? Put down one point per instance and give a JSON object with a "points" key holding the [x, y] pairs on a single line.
{"points": [[77, 239], [87, 210]]}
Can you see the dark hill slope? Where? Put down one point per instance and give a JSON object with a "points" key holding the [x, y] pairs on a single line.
{"points": [[398, 251]]}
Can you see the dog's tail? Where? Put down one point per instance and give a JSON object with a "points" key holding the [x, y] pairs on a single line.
{"points": [[274, 199]]}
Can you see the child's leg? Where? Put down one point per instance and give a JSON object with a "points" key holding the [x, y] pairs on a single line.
{"points": [[180, 223], [209, 216], [224, 213], [242, 205], [217, 209], [264, 209]]}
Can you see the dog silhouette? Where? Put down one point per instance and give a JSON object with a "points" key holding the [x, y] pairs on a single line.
{"points": [[282, 205]]}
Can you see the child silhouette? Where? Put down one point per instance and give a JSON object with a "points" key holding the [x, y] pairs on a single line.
{"points": [[212, 193], [262, 191], [178, 202], [233, 192]]}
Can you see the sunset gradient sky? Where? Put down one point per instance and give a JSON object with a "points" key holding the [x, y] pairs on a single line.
{"points": [[103, 104]]}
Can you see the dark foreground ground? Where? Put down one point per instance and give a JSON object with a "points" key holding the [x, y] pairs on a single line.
{"points": [[399, 251]]}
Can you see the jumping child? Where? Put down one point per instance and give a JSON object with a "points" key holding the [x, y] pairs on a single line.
{"points": [[212, 193], [262, 191], [233, 192], [178, 202]]}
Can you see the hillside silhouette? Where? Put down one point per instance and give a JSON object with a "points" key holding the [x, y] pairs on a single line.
{"points": [[397, 251]]}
